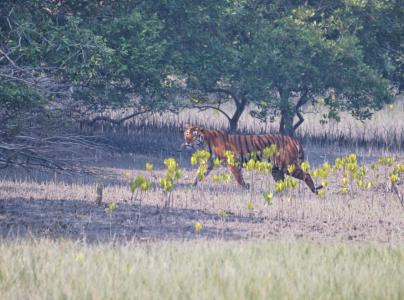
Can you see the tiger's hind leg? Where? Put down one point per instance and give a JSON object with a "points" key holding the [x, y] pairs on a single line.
{"points": [[277, 174], [300, 174], [236, 171]]}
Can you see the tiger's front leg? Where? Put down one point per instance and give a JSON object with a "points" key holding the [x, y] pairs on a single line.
{"points": [[236, 171], [208, 170]]}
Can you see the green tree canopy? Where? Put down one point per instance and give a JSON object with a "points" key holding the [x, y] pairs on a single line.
{"points": [[278, 55], [105, 53]]}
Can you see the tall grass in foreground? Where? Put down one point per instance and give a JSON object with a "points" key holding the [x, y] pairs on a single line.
{"points": [[44, 269]]}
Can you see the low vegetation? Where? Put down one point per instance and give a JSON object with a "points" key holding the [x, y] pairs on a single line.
{"points": [[45, 269], [156, 236], [349, 177]]}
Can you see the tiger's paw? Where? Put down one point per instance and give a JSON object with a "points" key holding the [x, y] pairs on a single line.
{"points": [[317, 189]]}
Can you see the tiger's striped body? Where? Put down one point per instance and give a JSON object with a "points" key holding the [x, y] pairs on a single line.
{"points": [[290, 152]]}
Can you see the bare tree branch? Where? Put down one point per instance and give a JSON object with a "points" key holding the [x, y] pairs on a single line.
{"points": [[205, 107], [302, 101], [61, 153], [225, 91], [300, 122], [117, 121]]}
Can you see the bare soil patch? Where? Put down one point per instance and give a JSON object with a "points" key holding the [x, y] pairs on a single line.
{"points": [[41, 205]]}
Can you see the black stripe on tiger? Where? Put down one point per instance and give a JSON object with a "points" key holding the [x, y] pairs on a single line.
{"points": [[290, 151]]}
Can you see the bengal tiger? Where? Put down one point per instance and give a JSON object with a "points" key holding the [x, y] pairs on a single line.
{"points": [[290, 152]]}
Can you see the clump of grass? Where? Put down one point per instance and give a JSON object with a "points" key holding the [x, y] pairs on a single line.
{"points": [[45, 269]]}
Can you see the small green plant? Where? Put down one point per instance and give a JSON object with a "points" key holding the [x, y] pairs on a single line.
{"points": [[305, 166], [291, 169], [321, 193], [173, 174], [386, 161], [250, 165], [201, 157], [222, 177], [344, 185], [287, 183], [398, 169], [216, 162], [323, 172], [263, 167], [394, 178], [166, 184], [394, 175], [256, 166], [344, 181], [268, 196], [346, 163], [270, 152], [230, 158], [140, 185], [140, 182], [109, 210], [279, 186], [149, 167], [250, 206], [353, 175], [198, 227]]}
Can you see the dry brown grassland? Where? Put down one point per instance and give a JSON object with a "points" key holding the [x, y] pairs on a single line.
{"points": [[45, 215]]}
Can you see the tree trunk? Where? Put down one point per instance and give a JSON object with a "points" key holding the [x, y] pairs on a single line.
{"points": [[287, 115], [233, 124], [233, 121], [286, 126]]}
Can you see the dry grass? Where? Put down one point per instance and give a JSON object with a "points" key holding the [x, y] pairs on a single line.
{"points": [[65, 207], [44, 269], [55, 242], [385, 128]]}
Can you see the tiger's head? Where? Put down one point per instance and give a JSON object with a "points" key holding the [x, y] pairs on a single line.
{"points": [[193, 137]]}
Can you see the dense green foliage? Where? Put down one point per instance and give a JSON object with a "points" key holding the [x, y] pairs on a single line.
{"points": [[155, 55], [106, 58]]}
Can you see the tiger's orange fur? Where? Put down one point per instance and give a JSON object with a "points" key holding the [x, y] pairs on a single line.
{"points": [[290, 152]]}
